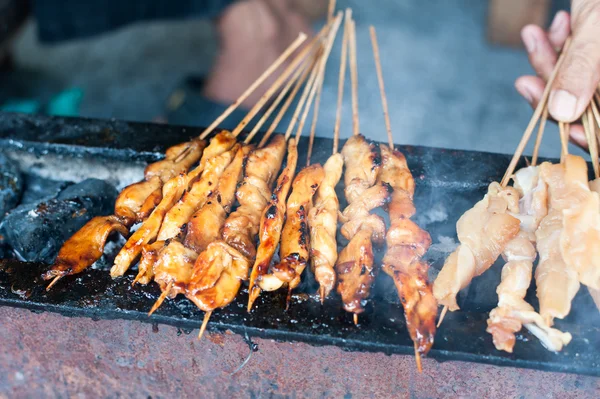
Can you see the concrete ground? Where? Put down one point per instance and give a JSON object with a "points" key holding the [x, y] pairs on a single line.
{"points": [[447, 86]]}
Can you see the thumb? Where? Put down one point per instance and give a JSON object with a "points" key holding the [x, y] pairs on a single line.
{"points": [[579, 74]]}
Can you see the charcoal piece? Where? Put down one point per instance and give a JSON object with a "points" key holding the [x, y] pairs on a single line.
{"points": [[37, 231], [11, 185], [39, 189]]}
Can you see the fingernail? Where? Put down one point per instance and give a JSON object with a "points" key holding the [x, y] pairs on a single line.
{"points": [[529, 40], [562, 105], [557, 23]]}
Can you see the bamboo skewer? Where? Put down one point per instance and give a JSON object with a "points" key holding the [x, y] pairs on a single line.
{"points": [[341, 81], [278, 62], [354, 77], [538, 139], [280, 81], [161, 298], [593, 141], [204, 324], [320, 72], [534, 119], [384, 102], [298, 75], [563, 131], [289, 100]]}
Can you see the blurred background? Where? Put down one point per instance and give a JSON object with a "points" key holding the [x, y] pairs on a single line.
{"points": [[449, 65]]}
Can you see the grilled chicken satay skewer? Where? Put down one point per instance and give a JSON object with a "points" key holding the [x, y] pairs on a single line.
{"points": [[513, 311], [132, 205], [354, 266], [323, 216], [294, 250], [406, 242]]}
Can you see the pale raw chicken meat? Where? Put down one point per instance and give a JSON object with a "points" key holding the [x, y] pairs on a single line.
{"points": [[557, 281], [513, 311], [483, 232]]}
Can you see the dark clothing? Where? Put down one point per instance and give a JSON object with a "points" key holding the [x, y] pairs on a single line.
{"points": [[60, 20]]}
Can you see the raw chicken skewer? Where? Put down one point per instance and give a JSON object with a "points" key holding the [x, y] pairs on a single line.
{"points": [[406, 242], [513, 311]]}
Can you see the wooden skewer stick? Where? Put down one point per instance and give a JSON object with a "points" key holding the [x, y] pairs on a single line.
{"points": [[54, 281], [596, 113], [534, 119], [538, 139], [301, 102], [289, 100], [341, 80], [204, 324], [161, 298], [442, 315], [320, 73], [280, 97], [384, 103], [563, 132], [354, 78], [593, 142], [418, 358], [331, 10], [355, 318], [279, 81], [280, 60]]}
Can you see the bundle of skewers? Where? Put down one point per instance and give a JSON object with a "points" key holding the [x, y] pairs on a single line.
{"points": [[551, 212], [212, 214]]}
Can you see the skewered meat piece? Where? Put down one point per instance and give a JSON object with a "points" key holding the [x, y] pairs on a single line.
{"points": [[595, 187], [362, 163], [558, 282], [150, 253], [253, 194], [136, 201], [357, 215], [220, 269], [354, 267], [322, 220], [513, 311], [294, 245], [172, 270], [205, 225], [196, 196], [85, 247], [483, 232], [217, 276], [172, 191], [271, 223], [407, 243]]}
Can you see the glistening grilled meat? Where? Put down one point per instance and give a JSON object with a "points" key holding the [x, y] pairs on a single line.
{"points": [[322, 221], [295, 245], [271, 223], [253, 194], [406, 245]]}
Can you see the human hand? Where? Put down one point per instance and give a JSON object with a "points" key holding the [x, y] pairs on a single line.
{"points": [[579, 75]]}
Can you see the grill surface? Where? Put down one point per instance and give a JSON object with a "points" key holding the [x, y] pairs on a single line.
{"points": [[448, 183]]}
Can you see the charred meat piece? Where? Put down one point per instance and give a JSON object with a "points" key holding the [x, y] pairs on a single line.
{"points": [[362, 163], [37, 231], [271, 224], [11, 185], [295, 245], [322, 220], [253, 194], [85, 246], [406, 245]]}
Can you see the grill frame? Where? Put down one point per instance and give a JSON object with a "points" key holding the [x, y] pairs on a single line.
{"points": [[438, 172]]}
